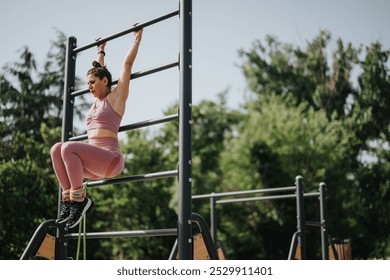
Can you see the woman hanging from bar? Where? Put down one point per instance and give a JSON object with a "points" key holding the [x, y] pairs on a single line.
{"points": [[101, 156]]}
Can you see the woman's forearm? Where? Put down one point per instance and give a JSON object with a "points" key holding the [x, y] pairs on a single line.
{"points": [[100, 56], [132, 54]]}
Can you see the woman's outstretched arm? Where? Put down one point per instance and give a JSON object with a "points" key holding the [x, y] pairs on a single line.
{"points": [[101, 53], [124, 77]]}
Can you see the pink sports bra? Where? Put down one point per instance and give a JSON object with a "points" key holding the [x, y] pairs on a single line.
{"points": [[103, 116]]}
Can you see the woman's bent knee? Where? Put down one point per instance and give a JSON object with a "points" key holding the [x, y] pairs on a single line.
{"points": [[56, 148], [67, 147]]}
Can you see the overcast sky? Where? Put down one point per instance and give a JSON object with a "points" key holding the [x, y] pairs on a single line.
{"points": [[220, 29]]}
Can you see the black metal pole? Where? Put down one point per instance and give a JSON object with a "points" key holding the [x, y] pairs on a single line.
{"points": [[69, 87], [185, 133], [301, 216], [324, 221], [213, 218], [67, 120]]}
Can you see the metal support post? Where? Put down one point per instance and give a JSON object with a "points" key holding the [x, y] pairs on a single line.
{"points": [[185, 132], [67, 120], [213, 219], [324, 221], [301, 216], [69, 87]]}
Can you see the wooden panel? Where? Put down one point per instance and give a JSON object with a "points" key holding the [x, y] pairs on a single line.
{"points": [[298, 254], [343, 250], [47, 248], [200, 251], [221, 254]]}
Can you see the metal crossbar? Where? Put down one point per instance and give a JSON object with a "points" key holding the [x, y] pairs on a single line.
{"points": [[134, 178], [127, 31], [233, 193], [134, 126], [135, 76], [246, 199], [130, 233], [270, 197]]}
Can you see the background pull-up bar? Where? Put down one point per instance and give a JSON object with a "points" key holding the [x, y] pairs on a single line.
{"points": [[127, 31]]}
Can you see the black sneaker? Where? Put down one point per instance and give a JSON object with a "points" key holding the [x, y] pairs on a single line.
{"points": [[77, 211], [64, 212]]}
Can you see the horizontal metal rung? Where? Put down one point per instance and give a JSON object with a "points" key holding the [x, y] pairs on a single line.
{"points": [[131, 233], [149, 122], [154, 70], [134, 76], [127, 31], [134, 126], [271, 197], [313, 224], [234, 193], [135, 178], [311, 194]]}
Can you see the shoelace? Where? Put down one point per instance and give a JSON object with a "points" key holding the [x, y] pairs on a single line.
{"points": [[64, 210], [64, 207], [74, 210]]}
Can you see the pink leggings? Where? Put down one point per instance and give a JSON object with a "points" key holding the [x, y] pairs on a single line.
{"points": [[74, 161]]}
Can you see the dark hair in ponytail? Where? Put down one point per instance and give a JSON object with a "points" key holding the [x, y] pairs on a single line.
{"points": [[100, 72]]}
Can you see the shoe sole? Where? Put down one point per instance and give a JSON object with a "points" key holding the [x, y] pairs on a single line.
{"points": [[62, 221], [89, 203]]}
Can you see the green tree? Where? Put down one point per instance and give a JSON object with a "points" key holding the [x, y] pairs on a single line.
{"points": [[356, 116], [371, 121], [213, 123], [372, 102], [302, 75], [270, 151], [30, 122]]}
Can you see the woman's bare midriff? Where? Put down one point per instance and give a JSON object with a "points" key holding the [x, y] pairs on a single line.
{"points": [[100, 132]]}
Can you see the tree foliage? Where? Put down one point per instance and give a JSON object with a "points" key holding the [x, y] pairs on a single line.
{"points": [[337, 123], [30, 123]]}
